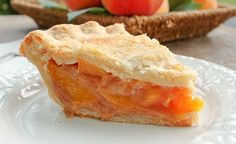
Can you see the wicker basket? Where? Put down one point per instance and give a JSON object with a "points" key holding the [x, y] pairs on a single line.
{"points": [[165, 27]]}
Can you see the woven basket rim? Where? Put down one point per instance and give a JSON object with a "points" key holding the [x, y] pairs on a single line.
{"points": [[221, 7]]}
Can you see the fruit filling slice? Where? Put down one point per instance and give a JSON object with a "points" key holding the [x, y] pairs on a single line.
{"points": [[92, 84]]}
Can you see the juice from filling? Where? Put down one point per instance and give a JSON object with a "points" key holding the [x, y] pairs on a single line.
{"points": [[87, 84]]}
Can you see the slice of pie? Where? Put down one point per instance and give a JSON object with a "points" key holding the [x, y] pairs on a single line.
{"points": [[108, 74]]}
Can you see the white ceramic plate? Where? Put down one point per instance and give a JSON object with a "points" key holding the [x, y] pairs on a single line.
{"points": [[29, 116]]}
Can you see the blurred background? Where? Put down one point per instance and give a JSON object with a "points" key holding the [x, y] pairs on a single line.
{"points": [[218, 46], [6, 9]]}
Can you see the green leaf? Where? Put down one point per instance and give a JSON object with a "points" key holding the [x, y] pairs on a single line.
{"points": [[52, 5], [174, 3], [184, 5], [95, 10], [5, 8]]}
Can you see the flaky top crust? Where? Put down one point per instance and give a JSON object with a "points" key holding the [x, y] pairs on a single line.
{"points": [[110, 48]]}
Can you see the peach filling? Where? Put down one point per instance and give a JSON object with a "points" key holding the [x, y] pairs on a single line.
{"points": [[88, 84]]}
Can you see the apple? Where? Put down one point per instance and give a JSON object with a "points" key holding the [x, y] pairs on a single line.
{"points": [[81, 4], [132, 7]]}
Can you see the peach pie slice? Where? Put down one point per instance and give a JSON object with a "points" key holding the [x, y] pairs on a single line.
{"points": [[109, 74]]}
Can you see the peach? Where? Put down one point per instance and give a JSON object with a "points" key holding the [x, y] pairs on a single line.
{"points": [[132, 7], [81, 4], [164, 8], [207, 4]]}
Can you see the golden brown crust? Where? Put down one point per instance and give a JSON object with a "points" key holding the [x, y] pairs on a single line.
{"points": [[111, 49]]}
